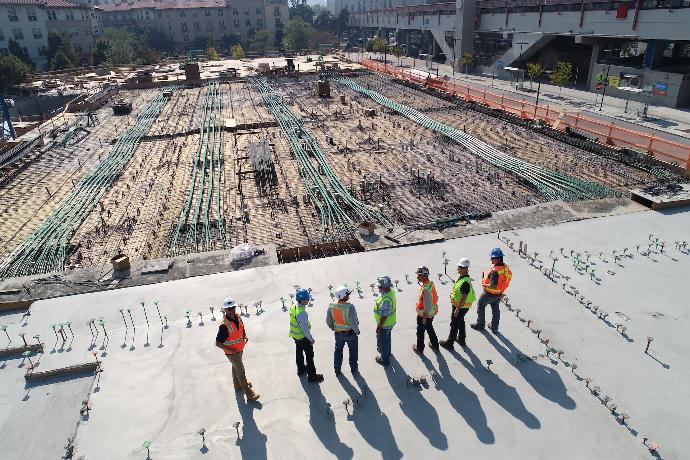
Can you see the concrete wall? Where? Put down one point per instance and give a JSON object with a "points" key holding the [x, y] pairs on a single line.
{"points": [[678, 94]]}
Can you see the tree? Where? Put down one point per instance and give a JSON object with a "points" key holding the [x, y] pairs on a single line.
{"points": [[100, 52], [397, 51], [260, 40], [378, 45], [60, 42], [60, 62], [296, 34], [16, 49], [158, 39], [118, 48], [342, 22], [534, 71], [324, 20], [147, 55], [13, 70], [212, 54], [467, 59], [237, 52], [278, 36], [301, 10], [561, 74]]}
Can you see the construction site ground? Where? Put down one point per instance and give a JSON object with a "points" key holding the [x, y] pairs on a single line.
{"points": [[566, 377]]}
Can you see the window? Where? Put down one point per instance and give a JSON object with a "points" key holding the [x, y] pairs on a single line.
{"points": [[69, 15], [221, 23], [258, 10], [160, 15], [52, 16], [182, 13], [36, 32], [31, 14], [259, 23], [42, 51], [183, 26], [235, 12], [278, 22], [237, 23], [147, 14], [276, 11], [197, 26], [12, 15], [246, 11], [4, 52], [18, 35], [249, 23], [207, 12], [220, 12], [186, 37]]}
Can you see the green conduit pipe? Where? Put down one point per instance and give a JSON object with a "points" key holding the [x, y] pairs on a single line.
{"points": [[45, 249], [553, 185]]}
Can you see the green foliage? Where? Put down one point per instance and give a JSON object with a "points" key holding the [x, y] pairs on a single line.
{"points": [[147, 55], [237, 51], [302, 11], [13, 70], [100, 52], [16, 49], [158, 39], [534, 70], [212, 54], [60, 42], [561, 74], [278, 36], [467, 59], [116, 47], [342, 21], [320, 37], [324, 20], [378, 45], [297, 33], [60, 62], [260, 40]]}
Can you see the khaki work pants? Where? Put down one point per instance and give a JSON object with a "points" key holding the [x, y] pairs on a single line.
{"points": [[239, 379]]}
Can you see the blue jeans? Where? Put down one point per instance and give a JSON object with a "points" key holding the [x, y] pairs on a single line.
{"points": [[383, 345], [342, 338], [489, 299]]}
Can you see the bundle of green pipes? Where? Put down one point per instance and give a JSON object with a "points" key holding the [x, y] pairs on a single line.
{"points": [[553, 185], [45, 249], [338, 209], [205, 184]]}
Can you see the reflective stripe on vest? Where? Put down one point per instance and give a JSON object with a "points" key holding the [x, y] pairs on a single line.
{"points": [[456, 295], [341, 316], [504, 277], [295, 328], [235, 340], [390, 319], [428, 289]]}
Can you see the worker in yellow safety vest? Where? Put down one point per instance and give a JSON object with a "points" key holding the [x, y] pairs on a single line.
{"points": [[427, 307], [300, 331], [494, 283], [342, 319], [384, 314], [461, 298]]}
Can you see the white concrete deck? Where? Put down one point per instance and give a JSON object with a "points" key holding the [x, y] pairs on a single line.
{"points": [[166, 388]]}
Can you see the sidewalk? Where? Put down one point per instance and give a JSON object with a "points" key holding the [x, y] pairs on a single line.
{"points": [[673, 123]]}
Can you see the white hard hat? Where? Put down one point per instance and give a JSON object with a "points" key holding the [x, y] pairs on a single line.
{"points": [[464, 262], [229, 303], [341, 292]]}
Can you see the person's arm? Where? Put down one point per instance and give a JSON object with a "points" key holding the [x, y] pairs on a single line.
{"points": [[464, 292], [427, 303], [329, 319], [384, 312], [303, 320], [354, 321], [221, 337], [493, 278]]}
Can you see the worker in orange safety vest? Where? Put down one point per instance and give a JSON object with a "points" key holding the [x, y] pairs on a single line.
{"points": [[231, 339], [494, 284], [427, 307]]}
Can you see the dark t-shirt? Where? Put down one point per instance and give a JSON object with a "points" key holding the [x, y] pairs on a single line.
{"points": [[465, 289], [223, 331]]}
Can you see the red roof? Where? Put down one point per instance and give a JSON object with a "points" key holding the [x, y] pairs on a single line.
{"points": [[161, 5], [46, 3]]}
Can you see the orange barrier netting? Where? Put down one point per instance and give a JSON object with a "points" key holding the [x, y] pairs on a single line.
{"points": [[607, 132]]}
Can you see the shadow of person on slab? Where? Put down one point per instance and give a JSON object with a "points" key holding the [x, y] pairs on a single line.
{"points": [[371, 423], [415, 406], [252, 442], [464, 401], [543, 379], [498, 390], [322, 421]]}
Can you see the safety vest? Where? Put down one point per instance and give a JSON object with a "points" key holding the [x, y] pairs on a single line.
{"points": [[341, 316], [295, 328], [235, 340], [455, 294], [390, 319], [504, 277], [428, 289]]}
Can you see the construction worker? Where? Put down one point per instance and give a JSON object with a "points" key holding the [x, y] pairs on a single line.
{"points": [[384, 313], [427, 307], [494, 283], [300, 331], [231, 339], [461, 297], [342, 318]]}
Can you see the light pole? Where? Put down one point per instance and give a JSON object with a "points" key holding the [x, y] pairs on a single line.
{"points": [[517, 77], [606, 81]]}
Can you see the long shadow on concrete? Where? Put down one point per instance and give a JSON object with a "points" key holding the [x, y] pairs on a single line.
{"points": [[463, 400], [505, 395], [543, 379], [253, 442], [415, 406], [371, 423], [323, 422]]}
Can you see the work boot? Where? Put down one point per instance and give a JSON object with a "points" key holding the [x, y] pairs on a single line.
{"points": [[435, 348], [252, 395], [302, 372], [380, 361], [316, 378], [447, 344], [477, 327], [414, 348], [494, 330], [462, 343]]}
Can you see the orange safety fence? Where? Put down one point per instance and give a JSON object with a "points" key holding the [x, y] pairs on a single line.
{"points": [[606, 132]]}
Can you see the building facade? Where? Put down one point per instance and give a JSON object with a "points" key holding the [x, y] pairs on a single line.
{"points": [[29, 22]]}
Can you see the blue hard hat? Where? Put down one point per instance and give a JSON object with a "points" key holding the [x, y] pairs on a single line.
{"points": [[496, 252], [302, 294]]}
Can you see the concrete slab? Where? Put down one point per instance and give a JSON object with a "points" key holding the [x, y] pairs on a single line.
{"points": [[663, 196], [164, 385]]}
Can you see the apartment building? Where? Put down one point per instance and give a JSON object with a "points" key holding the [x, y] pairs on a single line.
{"points": [[28, 22]]}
